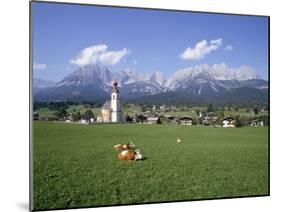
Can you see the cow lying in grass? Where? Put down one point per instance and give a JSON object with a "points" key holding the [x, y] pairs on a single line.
{"points": [[124, 146], [131, 155]]}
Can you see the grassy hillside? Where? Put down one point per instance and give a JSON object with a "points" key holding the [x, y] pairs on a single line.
{"points": [[76, 165]]}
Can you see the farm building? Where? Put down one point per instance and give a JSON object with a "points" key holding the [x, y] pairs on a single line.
{"points": [[152, 120], [256, 123], [205, 122], [185, 121], [228, 122]]}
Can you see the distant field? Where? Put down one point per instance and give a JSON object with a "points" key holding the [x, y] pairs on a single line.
{"points": [[82, 109], [76, 165], [243, 113], [44, 111]]}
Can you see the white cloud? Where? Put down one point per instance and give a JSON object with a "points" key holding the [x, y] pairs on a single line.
{"points": [[99, 54], [228, 48], [201, 49], [39, 67]]}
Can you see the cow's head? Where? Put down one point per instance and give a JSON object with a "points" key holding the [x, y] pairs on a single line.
{"points": [[132, 145], [138, 155]]}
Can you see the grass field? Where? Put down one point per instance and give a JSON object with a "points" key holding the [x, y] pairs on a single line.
{"points": [[76, 165], [45, 112]]}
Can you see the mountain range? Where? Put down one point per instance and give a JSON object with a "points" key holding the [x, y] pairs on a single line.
{"points": [[200, 83]]}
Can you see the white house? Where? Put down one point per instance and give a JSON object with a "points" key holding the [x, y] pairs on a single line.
{"points": [[83, 121], [256, 123], [152, 120], [228, 122], [185, 121]]}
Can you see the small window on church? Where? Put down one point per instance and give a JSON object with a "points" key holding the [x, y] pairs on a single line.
{"points": [[113, 96]]}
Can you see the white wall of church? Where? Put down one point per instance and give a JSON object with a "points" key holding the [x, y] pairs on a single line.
{"points": [[116, 114]]}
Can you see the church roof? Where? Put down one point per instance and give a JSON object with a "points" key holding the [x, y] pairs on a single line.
{"points": [[107, 105]]}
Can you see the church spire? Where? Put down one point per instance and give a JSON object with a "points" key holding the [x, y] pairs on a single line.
{"points": [[115, 88]]}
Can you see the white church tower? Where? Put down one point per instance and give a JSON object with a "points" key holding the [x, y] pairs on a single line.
{"points": [[116, 113]]}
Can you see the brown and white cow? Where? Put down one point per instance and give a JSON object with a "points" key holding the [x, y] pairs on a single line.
{"points": [[124, 146], [130, 155]]}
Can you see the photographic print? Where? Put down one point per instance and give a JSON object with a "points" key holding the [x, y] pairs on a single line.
{"points": [[135, 105]]}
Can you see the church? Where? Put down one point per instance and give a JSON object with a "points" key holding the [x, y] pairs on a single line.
{"points": [[112, 110]]}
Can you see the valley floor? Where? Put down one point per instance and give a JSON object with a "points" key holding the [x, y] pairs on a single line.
{"points": [[76, 165]]}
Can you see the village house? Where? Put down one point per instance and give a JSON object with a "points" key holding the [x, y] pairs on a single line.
{"points": [[205, 122], [152, 120], [187, 121], [228, 122], [256, 123], [35, 116], [162, 107], [202, 114], [83, 121]]}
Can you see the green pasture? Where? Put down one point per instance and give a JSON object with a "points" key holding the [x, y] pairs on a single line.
{"points": [[76, 165], [44, 111], [80, 108]]}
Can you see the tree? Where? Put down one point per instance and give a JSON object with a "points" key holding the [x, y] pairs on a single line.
{"points": [[142, 108], [256, 110], [244, 120], [210, 108], [77, 116], [141, 118], [197, 111], [265, 119], [88, 115], [220, 116], [236, 108], [237, 121], [158, 121], [61, 113], [129, 118]]}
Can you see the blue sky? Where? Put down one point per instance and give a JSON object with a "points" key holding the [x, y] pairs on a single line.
{"points": [[66, 37]]}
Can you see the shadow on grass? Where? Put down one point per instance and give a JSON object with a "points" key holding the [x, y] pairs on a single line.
{"points": [[144, 158]]}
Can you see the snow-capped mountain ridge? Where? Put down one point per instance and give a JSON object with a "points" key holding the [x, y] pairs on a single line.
{"points": [[214, 72], [202, 80]]}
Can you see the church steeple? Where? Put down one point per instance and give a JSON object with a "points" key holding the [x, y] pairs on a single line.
{"points": [[115, 88], [116, 113]]}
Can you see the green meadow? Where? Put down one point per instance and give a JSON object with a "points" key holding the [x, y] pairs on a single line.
{"points": [[76, 165]]}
